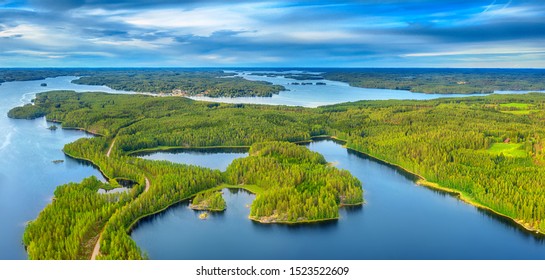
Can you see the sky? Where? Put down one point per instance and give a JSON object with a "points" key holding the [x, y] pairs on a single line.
{"points": [[239, 33]]}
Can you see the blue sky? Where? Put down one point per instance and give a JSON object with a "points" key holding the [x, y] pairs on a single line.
{"points": [[214, 33]]}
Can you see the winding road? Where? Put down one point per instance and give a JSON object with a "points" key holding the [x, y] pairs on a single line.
{"points": [[110, 149], [96, 250]]}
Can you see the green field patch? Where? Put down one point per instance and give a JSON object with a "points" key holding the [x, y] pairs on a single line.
{"points": [[507, 149], [521, 106], [517, 108]]}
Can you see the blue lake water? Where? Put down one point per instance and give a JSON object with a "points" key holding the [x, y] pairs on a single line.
{"points": [[211, 158], [400, 220]]}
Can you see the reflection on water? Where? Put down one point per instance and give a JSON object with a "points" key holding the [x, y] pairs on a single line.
{"points": [[116, 190]]}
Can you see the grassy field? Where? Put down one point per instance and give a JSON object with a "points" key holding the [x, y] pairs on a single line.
{"points": [[517, 108], [520, 106], [508, 149]]}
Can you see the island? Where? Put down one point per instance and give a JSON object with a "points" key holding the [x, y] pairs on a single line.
{"points": [[295, 185], [182, 83], [210, 200]]}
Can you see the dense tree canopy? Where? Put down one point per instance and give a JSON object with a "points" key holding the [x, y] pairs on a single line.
{"points": [[297, 184], [446, 81], [188, 83]]}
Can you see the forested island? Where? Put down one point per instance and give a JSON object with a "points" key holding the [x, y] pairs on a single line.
{"points": [[210, 200], [295, 184], [185, 83], [488, 149], [445, 81]]}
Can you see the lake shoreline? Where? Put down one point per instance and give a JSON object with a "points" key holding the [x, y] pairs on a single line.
{"points": [[421, 181]]}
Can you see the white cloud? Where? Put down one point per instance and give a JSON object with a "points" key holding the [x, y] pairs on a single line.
{"points": [[201, 21], [479, 51], [40, 35], [133, 43], [41, 54], [321, 36], [55, 55]]}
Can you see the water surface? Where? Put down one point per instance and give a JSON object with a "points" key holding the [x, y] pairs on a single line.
{"points": [[214, 158]]}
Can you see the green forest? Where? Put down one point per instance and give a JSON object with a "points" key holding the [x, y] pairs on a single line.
{"points": [[69, 227], [489, 149]]}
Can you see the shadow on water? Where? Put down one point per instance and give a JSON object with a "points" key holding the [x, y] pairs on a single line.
{"points": [[237, 190], [126, 183], [352, 209], [214, 150], [158, 216], [323, 225], [510, 224], [408, 175]]}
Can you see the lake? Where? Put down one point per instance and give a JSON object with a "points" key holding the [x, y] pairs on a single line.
{"points": [[209, 157], [332, 92], [400, 220]]}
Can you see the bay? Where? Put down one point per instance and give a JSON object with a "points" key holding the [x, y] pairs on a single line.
{"points": [[400, 220]]}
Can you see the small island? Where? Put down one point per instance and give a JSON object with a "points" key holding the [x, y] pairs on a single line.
{"points": [[43, 84], [209, 201], [52, 127], [293, 184]]}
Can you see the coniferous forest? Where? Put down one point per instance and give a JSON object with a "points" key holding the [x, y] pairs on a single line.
{"points": [[489, 149]]}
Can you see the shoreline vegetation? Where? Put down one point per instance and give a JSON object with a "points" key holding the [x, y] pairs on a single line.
{"points": [[244, 126], [421, 181]]}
